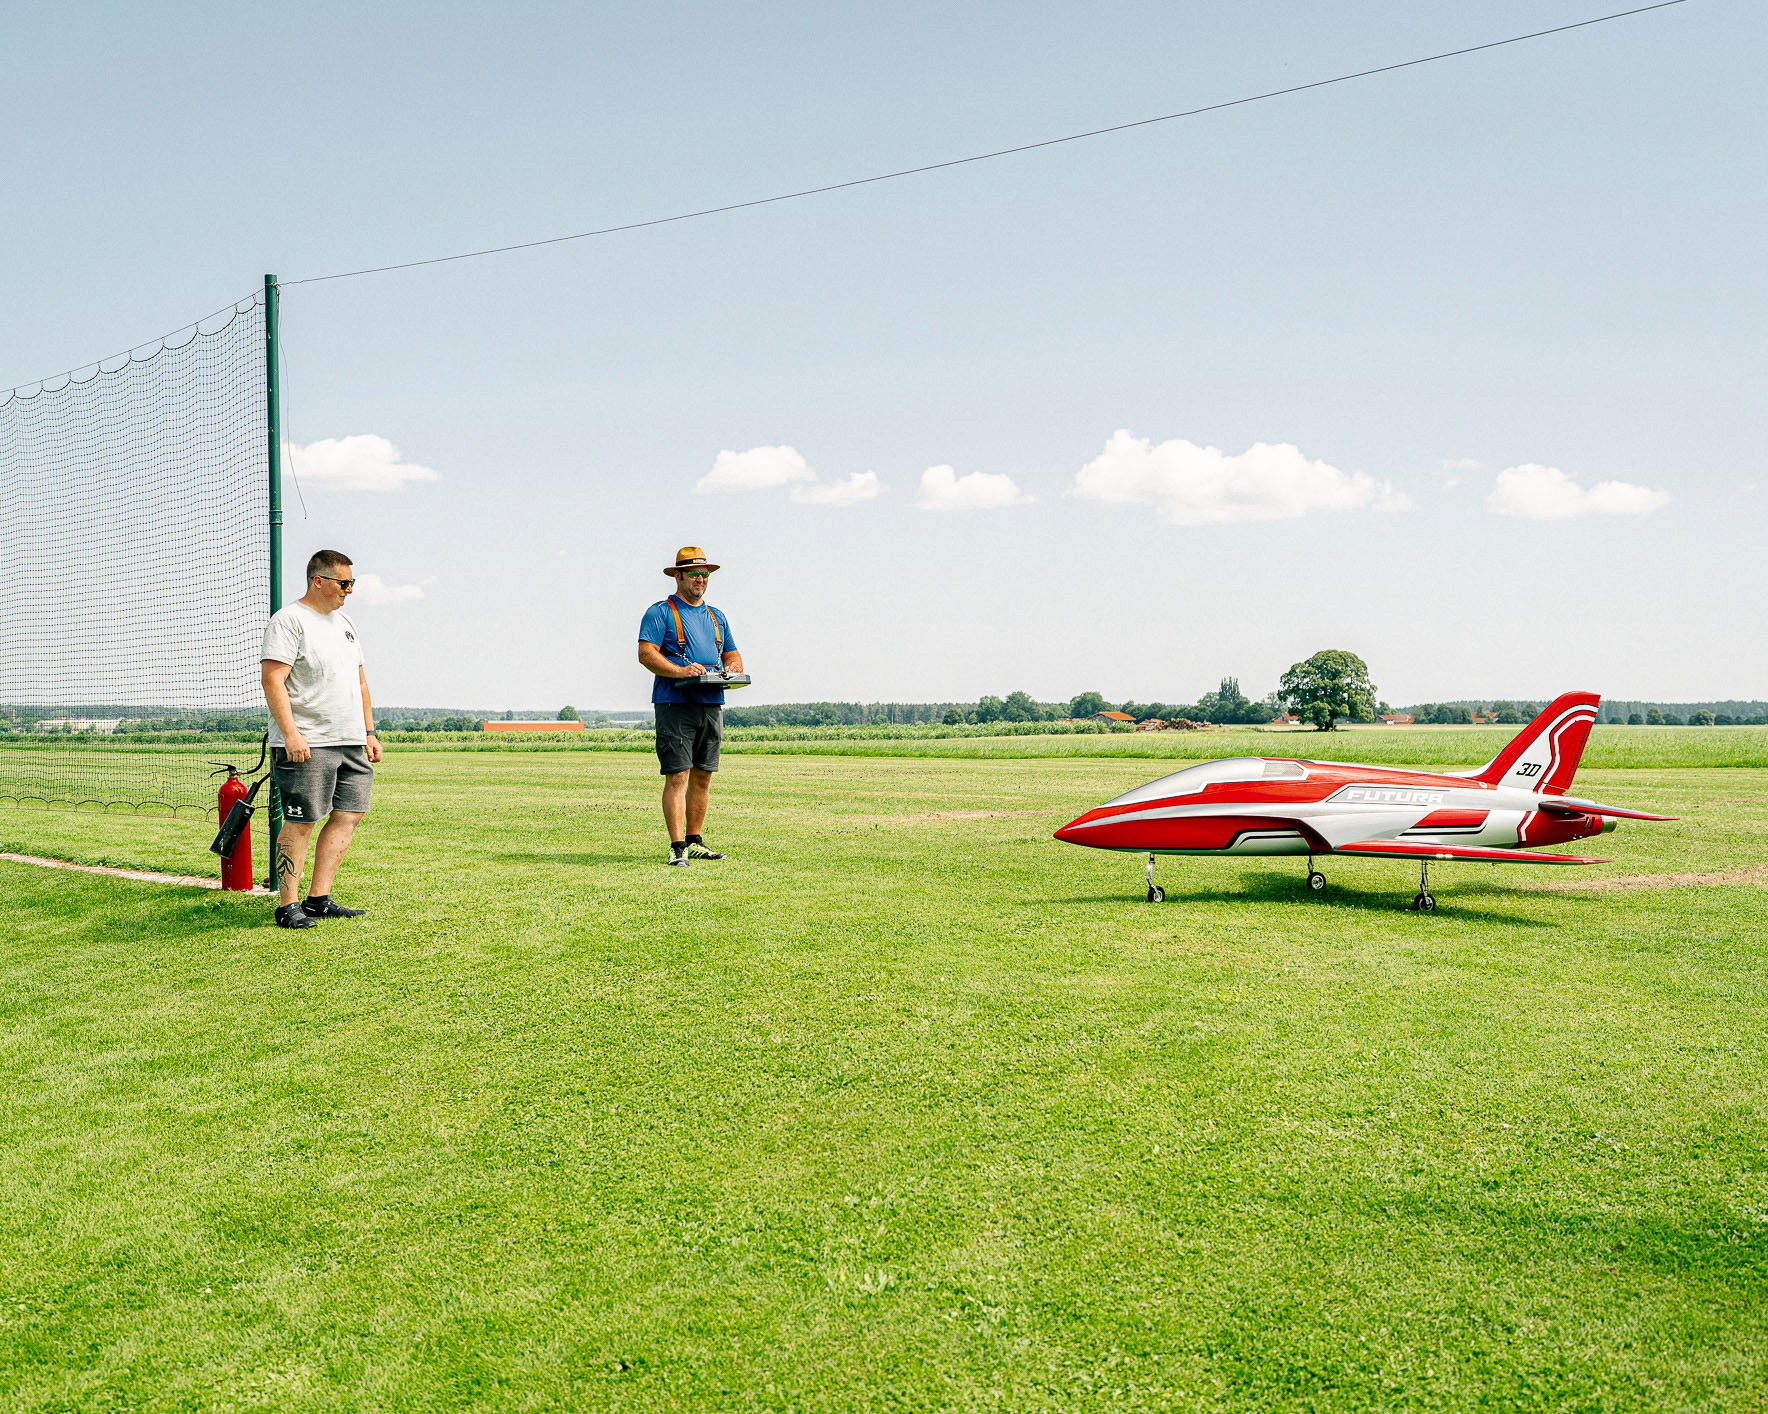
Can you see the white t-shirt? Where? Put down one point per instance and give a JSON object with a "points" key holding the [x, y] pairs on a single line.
{"points": [[324, 681]]}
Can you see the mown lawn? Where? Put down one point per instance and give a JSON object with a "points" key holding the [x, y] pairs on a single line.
{"points": [[903, 1105]]}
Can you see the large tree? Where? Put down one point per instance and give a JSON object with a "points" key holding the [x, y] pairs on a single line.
{"points": [[1332, 684], [1087, 704]]}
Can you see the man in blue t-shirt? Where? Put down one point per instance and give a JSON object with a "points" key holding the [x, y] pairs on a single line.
{"points": [[680, 638]]}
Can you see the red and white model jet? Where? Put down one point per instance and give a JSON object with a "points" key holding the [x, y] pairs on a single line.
{"points": [[1252, 805]]}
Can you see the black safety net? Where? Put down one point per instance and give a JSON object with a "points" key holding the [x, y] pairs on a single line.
{"points": [[134, 542]]}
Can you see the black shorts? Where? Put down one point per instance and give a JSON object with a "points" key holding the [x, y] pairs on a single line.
{"points": [[688, 736], [333, 778]]}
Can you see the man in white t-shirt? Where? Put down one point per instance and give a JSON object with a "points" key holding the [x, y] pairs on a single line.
{"points": [[322, 736]]}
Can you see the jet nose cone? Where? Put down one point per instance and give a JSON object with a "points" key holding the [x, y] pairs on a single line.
{"points": [[1071, 832]]}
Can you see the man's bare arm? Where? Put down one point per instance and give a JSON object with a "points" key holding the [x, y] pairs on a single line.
{"points": [[275, 678], [651, 658], [374, 742], [732, 660]]}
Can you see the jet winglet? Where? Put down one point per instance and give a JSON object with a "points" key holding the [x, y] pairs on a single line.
{"points": [[1410, 849]]}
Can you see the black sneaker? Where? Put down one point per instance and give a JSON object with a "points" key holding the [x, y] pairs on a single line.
{"points": [[327, 907], [697, 850], [292, 915]]}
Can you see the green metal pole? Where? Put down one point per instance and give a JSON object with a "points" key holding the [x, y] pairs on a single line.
{"points": [[273, 393]]}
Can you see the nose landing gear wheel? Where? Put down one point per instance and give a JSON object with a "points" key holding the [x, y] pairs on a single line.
{"points": [[1156, 894]]}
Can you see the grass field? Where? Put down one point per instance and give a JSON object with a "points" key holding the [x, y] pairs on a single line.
{"points": [[904, 1105]]}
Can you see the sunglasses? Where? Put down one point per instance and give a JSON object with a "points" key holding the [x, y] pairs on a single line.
{"points": [[344, 584], [695, 574]]}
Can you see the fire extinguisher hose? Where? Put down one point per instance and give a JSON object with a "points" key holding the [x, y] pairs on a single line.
{"points": [[240, 816]]}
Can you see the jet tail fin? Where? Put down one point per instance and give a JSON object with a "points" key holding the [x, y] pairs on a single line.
{"points": [[1544, 755]]}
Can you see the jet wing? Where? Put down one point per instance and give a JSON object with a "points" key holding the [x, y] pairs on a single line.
{"points": [[1413, 849], [1571, 805], [1339, 828]]}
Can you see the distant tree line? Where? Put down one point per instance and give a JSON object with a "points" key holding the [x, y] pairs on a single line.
{"points": [[836, 714], [1225, 705], [1637, 714], [1330, 687]]}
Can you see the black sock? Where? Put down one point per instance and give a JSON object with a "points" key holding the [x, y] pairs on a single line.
{"points": [[677, 846], [693, 839], [320, 899]]}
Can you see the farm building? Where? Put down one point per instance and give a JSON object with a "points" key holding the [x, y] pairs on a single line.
{"points": [[103, 726]]}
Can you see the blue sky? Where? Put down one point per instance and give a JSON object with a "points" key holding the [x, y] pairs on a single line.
{"points": [[1508, 310]]}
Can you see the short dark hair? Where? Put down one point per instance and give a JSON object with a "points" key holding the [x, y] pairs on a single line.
{"points": [[324, 560]]}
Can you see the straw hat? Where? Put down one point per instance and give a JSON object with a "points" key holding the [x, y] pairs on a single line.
{"points": [[690, 557]]}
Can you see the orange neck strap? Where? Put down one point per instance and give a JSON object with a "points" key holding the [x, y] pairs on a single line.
{"points": [[681, 633]]}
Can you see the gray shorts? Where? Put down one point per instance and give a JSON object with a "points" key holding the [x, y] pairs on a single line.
{"points": [[333, 778], [688, 736]]}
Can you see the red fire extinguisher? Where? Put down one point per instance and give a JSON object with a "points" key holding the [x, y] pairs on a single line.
{"points": [[235, 802], [236, 863]]}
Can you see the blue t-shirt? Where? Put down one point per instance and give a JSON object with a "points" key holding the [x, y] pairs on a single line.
{"points": [[658, 627]]}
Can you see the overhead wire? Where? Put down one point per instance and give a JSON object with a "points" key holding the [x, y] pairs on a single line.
{"points": [[984, 156]]}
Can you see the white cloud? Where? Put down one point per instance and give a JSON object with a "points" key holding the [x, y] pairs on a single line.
{"points": [[942, 489], [372, 590], [1192, 485], [763, 468], [363, 462], [1535, 492], [755, 470], [861, 486]]}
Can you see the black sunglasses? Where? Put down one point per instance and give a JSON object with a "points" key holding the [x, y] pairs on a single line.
{"points": [[344, 584]]}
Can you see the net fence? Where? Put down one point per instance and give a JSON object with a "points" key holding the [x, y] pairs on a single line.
{"points": [[134, 503]]}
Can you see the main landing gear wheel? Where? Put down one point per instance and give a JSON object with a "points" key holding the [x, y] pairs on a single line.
{"points": [[1424, 903], [1316, 881], [1156, 894]]}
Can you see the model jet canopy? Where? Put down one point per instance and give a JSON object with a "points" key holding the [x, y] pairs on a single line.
{"points": [[1228, 771]]}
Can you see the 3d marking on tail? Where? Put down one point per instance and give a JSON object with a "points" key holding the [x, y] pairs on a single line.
{"points": [[1544, 755], [1500, 813]]}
